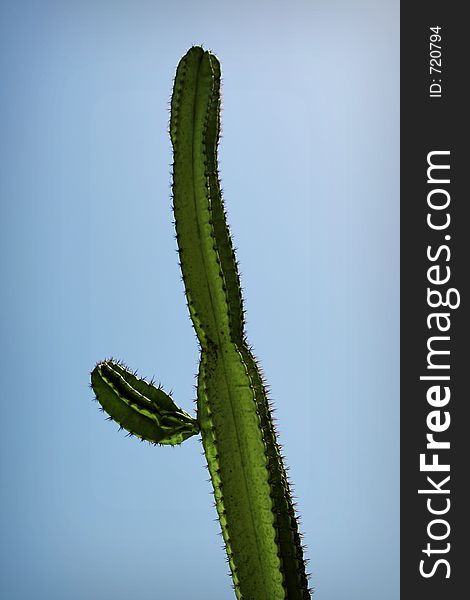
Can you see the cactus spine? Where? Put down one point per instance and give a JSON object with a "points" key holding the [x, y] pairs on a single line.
{"points": [[250, 485]]}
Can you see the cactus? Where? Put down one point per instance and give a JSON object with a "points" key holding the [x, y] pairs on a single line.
{"points": [[249, 480]]}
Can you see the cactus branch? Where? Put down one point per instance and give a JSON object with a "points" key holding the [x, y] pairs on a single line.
{"points": [[139, 407]]}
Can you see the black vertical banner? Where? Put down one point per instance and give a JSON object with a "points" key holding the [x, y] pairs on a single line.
{"points": [[435, 252]]}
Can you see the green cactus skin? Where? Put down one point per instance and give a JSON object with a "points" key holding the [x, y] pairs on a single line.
{"points": [[249, 480]]}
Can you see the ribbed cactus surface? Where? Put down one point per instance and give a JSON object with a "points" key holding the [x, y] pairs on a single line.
{"points": [[250, 485]]}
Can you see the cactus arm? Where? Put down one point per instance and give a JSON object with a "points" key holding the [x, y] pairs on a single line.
{"points": [[139, 407], [249, 480]]}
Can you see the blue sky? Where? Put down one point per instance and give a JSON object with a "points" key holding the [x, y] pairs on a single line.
{"points": [[309, 162]]}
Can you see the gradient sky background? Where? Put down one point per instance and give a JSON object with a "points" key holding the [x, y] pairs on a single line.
{"points": [[309, 164]]}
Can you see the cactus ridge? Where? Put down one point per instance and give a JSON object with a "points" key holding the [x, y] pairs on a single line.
{"points": [[250, 484]]}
